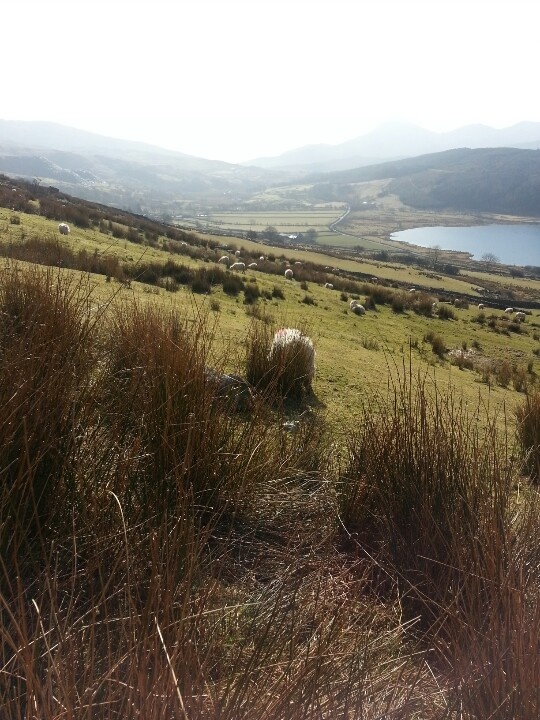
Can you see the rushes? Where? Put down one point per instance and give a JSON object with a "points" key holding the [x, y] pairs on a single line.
{"points": [[165, 554]]}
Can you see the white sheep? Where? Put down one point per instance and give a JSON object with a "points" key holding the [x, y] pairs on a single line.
{"points": [[63, 228], [287, 343], [480, 306], [289, 274], [298, 263], [252, 265], [356, 308], [412, 290], [509, 310], [224, 260], [261, 258], [238, 266], [329, 286], [237, 253], [519, 317]]}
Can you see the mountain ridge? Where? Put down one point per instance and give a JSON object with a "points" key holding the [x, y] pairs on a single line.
{"points": [[396, 140]]}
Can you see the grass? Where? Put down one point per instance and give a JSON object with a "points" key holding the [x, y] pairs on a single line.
{"points": [[163, 551], [366, 550]]}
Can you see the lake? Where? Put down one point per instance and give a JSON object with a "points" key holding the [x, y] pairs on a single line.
{"points": [[512, 244]]}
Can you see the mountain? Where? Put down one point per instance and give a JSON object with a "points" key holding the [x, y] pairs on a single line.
{"points": [[400, 140], [120, 172], [490, 180]]}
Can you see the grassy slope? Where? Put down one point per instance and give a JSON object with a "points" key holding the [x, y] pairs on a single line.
{"points": [[355, 355], [223, 549]]}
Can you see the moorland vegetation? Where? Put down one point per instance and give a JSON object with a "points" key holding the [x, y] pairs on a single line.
{"points": [[167, 551]]}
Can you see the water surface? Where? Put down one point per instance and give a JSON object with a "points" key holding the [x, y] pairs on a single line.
{"points": [[512, 244]]}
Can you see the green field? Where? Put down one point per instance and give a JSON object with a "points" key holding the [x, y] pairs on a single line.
{"points": [[347, 365]]}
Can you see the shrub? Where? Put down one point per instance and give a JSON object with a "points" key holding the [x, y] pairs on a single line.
{"points": [[445, 312], [437, 343], [280, 369], [528, 434], [277, 292], [428, 488], [251, 293], [46, 362], [308, 300], [423, 305], [232, 284], [398, 303]]}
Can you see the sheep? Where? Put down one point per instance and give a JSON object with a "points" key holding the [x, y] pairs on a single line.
{"points": [[519, 317], [509, 310], [356, 308], [329, 286], [291, 345], [252, 265], [238, 266], [261, 259], [480, 306], [237, 253], [412, 290], [63, 228], [235, 390], [224, 260], [298, 263], [289, 274]]}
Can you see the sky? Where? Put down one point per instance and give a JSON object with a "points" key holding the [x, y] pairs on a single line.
{"points": [[239, 79]]}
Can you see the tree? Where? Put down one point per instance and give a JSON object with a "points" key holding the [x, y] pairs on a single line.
{"points": [[270, 233], [435, 253], [310, 236], [489, 260]]}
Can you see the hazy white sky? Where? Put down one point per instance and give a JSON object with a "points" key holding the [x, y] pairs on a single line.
{"points": [[237, 79]]}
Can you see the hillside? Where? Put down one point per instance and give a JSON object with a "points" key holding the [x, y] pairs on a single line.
{"points": [[496, 180], [132, 175], [396, 140], [195, 525]]}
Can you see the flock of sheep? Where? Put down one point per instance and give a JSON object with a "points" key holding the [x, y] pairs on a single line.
{"points": [[354, 305]]}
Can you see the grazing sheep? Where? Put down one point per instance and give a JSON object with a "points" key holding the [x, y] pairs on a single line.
{"points": [[374, 280], [329, 286], [224, 260], [238, 266], [356, 308], [63, 229], [412, 290], [252, 265], [509, 311], [519, 317], [289, 274], [298, 263], [234, 389], [291, 345], [261, 258], [237, 253], [480, 306]]}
